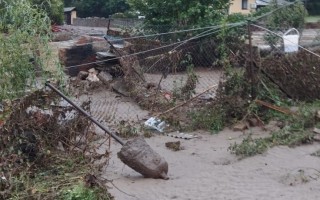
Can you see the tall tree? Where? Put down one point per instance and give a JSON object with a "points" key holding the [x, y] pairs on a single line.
{"points": [[181, 12], [98, 8], [313, 7], [54, 9]]}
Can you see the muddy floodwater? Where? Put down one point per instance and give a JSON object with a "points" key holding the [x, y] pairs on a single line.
{"points": [[205, 170]]}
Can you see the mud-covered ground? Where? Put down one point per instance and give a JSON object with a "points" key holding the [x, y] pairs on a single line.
{"points": [[204, 169]]}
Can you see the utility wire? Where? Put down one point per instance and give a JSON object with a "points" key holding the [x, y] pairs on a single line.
{"points": [[154, 35], [201, 35]]}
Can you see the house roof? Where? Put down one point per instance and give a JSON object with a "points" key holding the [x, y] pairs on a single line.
{"points": [[69, 9], [267, 2]]}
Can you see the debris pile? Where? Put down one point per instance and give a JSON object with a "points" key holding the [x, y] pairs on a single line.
{"points": [[39, 126]]}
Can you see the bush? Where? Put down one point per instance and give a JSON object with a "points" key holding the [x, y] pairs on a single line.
{"points": [[23, 48]]}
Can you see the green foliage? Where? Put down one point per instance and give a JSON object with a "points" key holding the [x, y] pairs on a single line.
{"points": [[250, 147], [97, 8], [212, 119], [127, 130], [23, 46], [81, 192], [53, 8], [181, 12], [296, 132]]}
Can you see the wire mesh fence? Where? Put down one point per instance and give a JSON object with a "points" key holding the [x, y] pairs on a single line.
{"points": [[157, 65]]}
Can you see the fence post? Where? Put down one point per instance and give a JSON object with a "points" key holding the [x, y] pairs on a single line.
{"points": [[250, 67]]}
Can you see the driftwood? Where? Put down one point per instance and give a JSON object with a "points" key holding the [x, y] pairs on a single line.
{"points": [[277, 108]]}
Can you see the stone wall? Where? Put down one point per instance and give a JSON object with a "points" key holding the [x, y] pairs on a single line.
{"points": [[91, 22], [103, 22]]}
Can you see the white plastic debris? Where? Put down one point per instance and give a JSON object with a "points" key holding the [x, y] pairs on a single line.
{"points": [[182, 135], [155, 123]]}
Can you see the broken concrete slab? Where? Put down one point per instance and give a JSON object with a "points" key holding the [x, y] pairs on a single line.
{"points": [[120, 87], [105, 77]]}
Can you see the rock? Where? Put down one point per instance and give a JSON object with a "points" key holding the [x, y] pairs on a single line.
{"points": [[174, 146], [318, 115], [82, 75], [281, 124], [207, 96], [317, 138], [316, 130], [93, 71], [294, 109], [92, 77], [240, 126], [120, 87], [253, 122], [272, 126], [105, 77]]}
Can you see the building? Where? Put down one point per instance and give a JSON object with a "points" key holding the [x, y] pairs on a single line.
{"points": [[247, 6], [242, 6], [70, 13]]}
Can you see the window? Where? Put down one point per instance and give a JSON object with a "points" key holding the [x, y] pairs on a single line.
{"points": [[244, 4]]}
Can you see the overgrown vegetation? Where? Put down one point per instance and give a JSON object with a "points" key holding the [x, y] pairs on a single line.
{"points": [[53, 8], [24, 50], [297, 131], [97, 8]]}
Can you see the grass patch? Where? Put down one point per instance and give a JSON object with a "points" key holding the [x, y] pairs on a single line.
{"points": [[81, 192], [312, 19], [212, 119], [127, 130], [250, 147]]}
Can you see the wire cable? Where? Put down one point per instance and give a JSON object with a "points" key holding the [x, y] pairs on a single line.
{"points": [[203, 34]]}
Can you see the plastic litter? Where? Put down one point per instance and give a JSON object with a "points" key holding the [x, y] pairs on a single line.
{"points": [[155, 123], [182, 135], [291, 42]]}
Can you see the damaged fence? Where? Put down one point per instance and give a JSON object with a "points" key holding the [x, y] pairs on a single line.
{"points": [[163, 70]]}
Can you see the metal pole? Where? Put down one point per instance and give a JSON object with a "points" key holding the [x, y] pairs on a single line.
{"points": [[118, 139], [251, 60]]}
